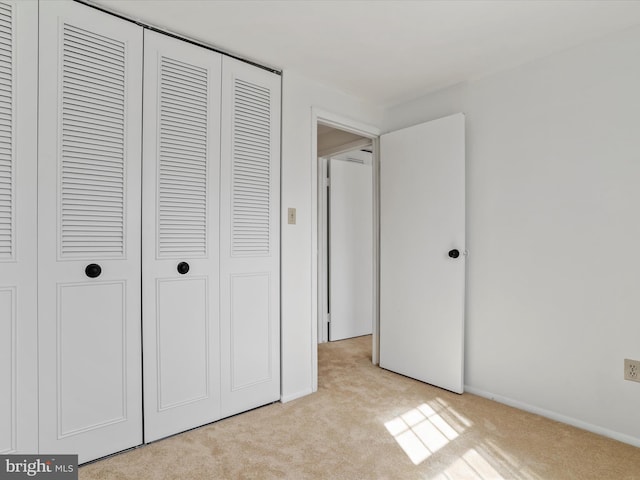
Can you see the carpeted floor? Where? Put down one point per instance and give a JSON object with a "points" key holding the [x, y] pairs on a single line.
{"points": [[366, 423]]}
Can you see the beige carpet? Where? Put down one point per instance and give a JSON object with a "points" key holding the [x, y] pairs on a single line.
{"points": [[367, 423]]}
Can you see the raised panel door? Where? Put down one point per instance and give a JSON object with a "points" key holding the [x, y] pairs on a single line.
{"points": [[180, 236], [18, 227], [249, 238], [89, 231]]}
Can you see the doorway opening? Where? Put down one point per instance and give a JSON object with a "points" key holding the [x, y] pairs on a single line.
{"points": [[352, 150], [345, 240]]}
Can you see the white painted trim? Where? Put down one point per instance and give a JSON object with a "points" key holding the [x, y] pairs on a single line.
{"points": [[323, 256], [375, 348], [295, 396], [364, 130], [314, 250], [621, 437], [342, 123]]}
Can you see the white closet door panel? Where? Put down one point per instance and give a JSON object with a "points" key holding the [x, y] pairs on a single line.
{"points": [[183, 369], [180, 226], [89, 214], [100, 398], [8, 370], [18, 227], [249, 240], [250, 345]]}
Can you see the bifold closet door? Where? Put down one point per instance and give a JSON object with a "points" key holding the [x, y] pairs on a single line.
{"points": [[249, 240], [89, 231], [181, 168], [18, 227]]}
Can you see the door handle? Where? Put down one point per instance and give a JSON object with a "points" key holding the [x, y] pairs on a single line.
{"points": [[183, 267], [455, 253], [93, 270]]}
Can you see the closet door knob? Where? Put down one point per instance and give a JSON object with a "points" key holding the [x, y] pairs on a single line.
{"points": [[93, 270], [454, 253], [183, 267]]}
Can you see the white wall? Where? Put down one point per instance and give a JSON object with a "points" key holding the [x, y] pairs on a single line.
{"points": [[299, 96], [553, 222]]}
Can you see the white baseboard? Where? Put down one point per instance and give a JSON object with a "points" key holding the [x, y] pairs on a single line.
{"points": [[621, 437], [294, 396]]}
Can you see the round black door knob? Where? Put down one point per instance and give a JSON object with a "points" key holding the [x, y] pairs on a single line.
{"points": [[93, 270], [183, 267], [454, 253]]}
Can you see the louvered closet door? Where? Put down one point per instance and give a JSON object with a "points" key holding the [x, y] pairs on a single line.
{"points": [[180, 236], [89, 231], [249, 240], [18, 182]]}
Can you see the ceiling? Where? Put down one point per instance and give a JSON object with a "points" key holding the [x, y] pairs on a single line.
{"points": [[387, 51]]}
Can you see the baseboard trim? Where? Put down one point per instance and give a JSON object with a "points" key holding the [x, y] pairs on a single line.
{"points": [[621, 437], [294, 396]]}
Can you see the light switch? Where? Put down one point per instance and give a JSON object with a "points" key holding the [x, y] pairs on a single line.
{"points": [[292, 216]]}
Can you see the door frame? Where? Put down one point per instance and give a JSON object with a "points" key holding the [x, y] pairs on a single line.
{"points": [[323, 250], [324, 226], [317, 288]]}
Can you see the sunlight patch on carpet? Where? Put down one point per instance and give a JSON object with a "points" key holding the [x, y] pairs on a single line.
{"points": [[428, 428], [422, 431]]}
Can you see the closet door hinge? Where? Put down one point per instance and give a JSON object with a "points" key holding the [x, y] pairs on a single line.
{"points": [[328, 318], [327, 182]]}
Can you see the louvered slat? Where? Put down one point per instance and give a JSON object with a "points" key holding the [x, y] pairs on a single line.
{"points": [[182, 175], [93, 145], [7, 159], [251, 184]]}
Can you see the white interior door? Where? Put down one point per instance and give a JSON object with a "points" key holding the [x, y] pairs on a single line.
{"points": [[249, 237], [350, 245], [18, 227], [180, 261], [89, 231], [422, 246]]}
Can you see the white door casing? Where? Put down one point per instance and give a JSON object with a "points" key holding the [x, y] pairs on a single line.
{"points": [[351, 245], [89, 214], [180, 226], [422, 219], [250, 237], [322, 257], [18, 227]]}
